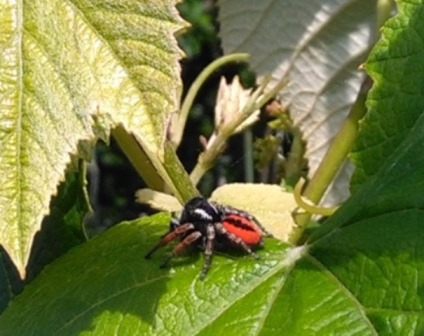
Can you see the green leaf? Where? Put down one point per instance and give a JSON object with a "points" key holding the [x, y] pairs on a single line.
{"points": [[69, 72], [364, 279], [396, 187], [106, 286], [396, 102], [379, 263]]}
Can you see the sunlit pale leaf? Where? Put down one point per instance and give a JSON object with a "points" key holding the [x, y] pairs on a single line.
{"points": [[70, 70], [318, 45], [158, 200], [271, 205]]}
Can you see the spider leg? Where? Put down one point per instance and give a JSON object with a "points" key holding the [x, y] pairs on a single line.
{"points": [[236, 240], [210, 236], [170, 236], [232, 211], [190, 239]]}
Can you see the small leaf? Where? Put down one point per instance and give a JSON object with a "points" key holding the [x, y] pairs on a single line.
{"points": [[158, 200]]}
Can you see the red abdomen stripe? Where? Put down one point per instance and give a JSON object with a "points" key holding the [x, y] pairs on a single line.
{"points": [[243, 228]]}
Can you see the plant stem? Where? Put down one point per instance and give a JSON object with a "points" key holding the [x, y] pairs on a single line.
{"points": [[337, 153], [343, 142], [249, 175], [158, 173], [332, 161], [295, 158], [138, 158], [178, 128], [182, 187], [206, 159]]}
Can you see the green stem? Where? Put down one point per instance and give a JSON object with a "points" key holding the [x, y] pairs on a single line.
{"points": [[343, 142], [332, 161], [206, 159], [182, 187], [295, 158], [248, 156], [138, 158], [158, 173], [84, 186], [178, 128]]}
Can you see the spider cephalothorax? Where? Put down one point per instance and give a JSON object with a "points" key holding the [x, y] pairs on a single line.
{"points": [[211, 225]]}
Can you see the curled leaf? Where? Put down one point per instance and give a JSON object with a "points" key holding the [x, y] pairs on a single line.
{"points": [[158, 200]]}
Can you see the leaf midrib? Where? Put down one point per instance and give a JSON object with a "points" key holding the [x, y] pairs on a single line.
{"points": [[247, 290], [342, 287]]}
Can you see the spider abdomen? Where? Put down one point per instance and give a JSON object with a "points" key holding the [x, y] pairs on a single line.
{"points": [[243, 228]]}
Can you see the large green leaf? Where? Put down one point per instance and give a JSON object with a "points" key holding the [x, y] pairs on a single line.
{"points": [[378, 262], [396, 101], [107, 282], [364, 279], [106, 287], [69, 71]]}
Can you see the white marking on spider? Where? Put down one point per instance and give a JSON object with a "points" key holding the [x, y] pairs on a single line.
{"points": [[203, 214]]}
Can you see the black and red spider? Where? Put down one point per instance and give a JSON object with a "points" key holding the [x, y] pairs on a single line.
{"points": [[211, 226]]}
